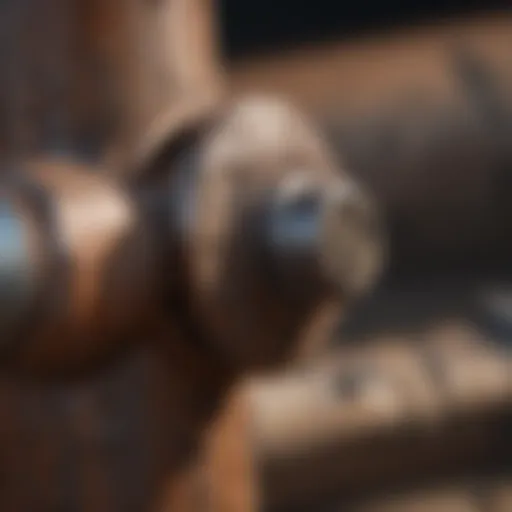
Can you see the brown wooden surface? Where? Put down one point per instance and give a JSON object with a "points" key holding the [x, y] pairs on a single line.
{"points": [[107, 79], [113, 82]]}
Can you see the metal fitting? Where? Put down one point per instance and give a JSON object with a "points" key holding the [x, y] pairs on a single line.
{"points": [[273, 233], [85, 283]]}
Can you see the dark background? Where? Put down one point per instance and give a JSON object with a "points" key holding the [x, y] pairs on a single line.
{"points": [[256, 26]]}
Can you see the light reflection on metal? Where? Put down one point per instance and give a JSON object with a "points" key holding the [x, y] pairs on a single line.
{"points": [[17, 277]]}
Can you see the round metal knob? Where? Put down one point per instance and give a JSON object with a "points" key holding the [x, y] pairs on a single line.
{"points": [[275, 234]]}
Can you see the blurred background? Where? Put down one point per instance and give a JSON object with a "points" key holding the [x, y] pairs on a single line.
{"points": [[252, 27], [409, 410], [407, 404]]}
